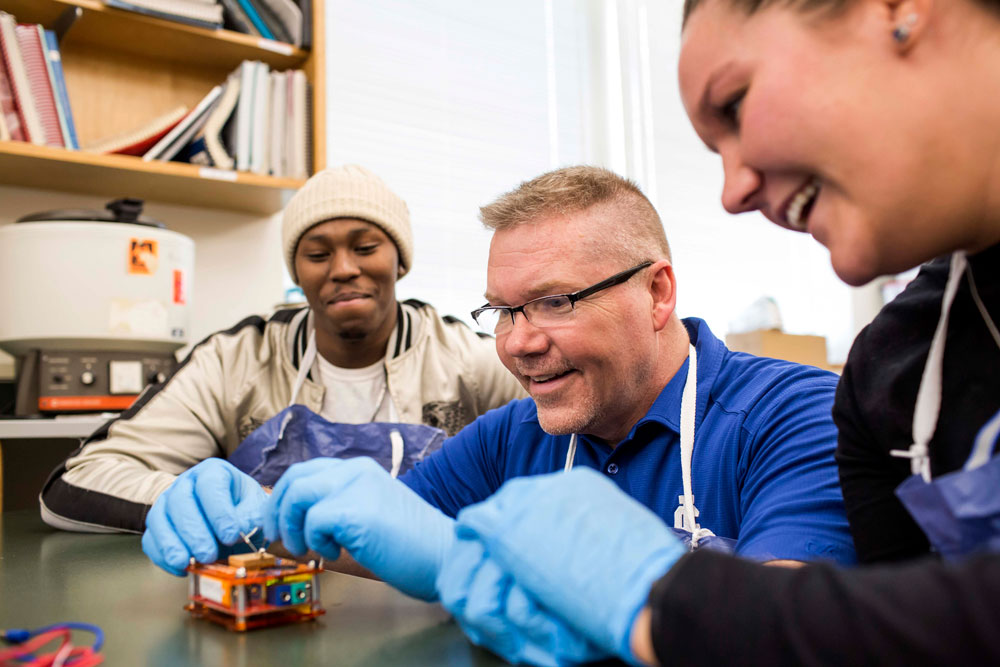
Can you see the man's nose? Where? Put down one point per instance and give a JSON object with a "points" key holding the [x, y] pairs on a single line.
{"points": [[524, 338], [343, 266]]}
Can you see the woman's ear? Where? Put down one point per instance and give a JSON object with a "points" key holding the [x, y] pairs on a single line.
{"points": [[909, 21]]}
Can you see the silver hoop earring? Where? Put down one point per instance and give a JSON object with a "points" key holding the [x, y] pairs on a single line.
{"points": [[902, 31]]}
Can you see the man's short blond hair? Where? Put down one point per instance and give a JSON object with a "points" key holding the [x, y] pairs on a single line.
{"points": [[633, 231]]}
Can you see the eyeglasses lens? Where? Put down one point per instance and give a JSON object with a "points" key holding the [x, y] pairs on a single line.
{"points": [[489, 320]]}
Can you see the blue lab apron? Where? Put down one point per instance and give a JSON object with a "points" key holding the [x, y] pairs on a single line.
{"points": [[959, 511], [298, 434], [686, 516]]}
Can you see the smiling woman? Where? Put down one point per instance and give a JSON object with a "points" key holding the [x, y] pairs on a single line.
{"points": [[767, 85]]}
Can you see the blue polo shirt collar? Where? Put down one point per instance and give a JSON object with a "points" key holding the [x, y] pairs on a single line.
{"points": [[666, 410]]}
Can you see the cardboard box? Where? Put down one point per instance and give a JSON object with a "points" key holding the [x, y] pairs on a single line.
{"points": [[809, 350]]}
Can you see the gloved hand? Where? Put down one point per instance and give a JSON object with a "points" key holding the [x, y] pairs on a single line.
{"points": [[207, 506], [577, 545], [325, 504], [497, 614]]}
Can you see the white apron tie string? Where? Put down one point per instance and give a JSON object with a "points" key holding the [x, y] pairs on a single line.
{"points": [[928, 405]]}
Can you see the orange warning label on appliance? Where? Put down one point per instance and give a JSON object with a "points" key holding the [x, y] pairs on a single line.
{"points": [[179, 287], [143, 256]]}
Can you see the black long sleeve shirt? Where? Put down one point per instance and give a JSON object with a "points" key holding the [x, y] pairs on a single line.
{"points": [[873, 409], [712, 609]]}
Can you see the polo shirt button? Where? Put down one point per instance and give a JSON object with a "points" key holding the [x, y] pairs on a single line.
{"points": [[612, 468]]}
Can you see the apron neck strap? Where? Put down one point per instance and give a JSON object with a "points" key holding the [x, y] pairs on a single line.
{"points": [[305, 364], [689, 404], [928, 405]]}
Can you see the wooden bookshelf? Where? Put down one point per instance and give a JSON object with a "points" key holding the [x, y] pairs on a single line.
{"points": [[123, 69]]}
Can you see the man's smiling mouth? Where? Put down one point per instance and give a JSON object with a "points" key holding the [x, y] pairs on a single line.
{"points": [[543, 378], [347, 296]]}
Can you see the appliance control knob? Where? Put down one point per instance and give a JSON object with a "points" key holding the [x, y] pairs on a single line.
{"points": [[87, 378], [58, 379], [157, 377]]}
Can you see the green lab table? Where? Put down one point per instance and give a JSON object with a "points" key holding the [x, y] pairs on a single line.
{"points": [[48, 576]]}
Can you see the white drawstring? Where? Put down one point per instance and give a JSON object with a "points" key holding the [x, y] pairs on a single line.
{"points": [[689, 404], [928, 405], [981, 306], [570, 453], [397, 452], [308, 358]]}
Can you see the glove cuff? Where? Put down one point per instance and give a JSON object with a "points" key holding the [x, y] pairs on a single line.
{"points": [[637, 588]]}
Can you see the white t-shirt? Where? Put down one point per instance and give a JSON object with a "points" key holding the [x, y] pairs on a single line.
{"points": [[355, 395]]}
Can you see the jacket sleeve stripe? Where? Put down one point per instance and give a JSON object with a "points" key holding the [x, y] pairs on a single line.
{"points": [[74, 508], [399, 330]]}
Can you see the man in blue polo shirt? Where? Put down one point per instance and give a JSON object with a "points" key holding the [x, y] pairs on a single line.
{"points": [[732, 450]]}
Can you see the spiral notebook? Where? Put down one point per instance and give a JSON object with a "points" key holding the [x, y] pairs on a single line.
{"points": [[183, 132], [20, 86], [192, 12], [8, 107], [138, 140]]}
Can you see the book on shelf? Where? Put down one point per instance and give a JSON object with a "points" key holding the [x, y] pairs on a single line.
{"points": [[138, 140], [306, 7], [235, 18], [8, 107], [56, 77], [299, 165], [244, 114], [279, 115], [251, 11], [260, 146], [38, 77], [24, 101], [214, 144], [192, 12], [283, 17], [288, 21], [194, 153], [184, 131]]}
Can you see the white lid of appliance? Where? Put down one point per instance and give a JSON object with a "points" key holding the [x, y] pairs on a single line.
{"points": [[94, 280]]}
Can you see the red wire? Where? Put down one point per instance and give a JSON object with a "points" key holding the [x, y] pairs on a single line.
{"points": [[79, 656], [33, 644]]}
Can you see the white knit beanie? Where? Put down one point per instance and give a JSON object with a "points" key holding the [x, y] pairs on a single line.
{"points": [[350, 191]]}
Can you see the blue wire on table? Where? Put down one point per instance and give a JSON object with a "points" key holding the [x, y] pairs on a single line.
{"points": [[21, 635]]}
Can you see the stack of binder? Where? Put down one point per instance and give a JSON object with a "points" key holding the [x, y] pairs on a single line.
{"points": [[201, 13], [257, 121], [34, 104], [281, 20]]}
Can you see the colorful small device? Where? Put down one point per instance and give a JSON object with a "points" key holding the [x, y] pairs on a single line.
{"points": [[254, 590]]}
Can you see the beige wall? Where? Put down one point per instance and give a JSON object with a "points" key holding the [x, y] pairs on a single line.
{"points": [[238, 264]]}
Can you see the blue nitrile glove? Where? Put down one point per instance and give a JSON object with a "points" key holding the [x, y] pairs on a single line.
{"points": [[325, 504], [579, 546], [497, 614], [207, 505]]}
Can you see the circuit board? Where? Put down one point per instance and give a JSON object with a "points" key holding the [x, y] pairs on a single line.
{"points": [[254, 590]]}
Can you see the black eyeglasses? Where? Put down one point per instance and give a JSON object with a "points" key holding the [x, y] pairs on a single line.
{"points": [[545, 311]]}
